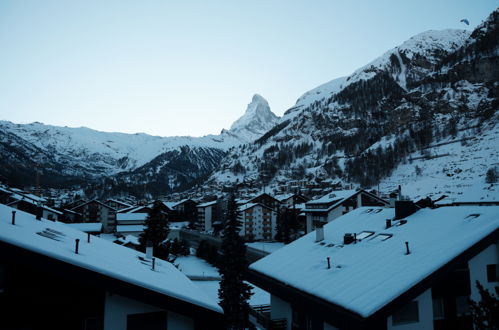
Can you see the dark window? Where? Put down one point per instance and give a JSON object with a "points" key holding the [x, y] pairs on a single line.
{"points": [[438, 308], [492, 273], [150, 321], [3, 275], [408, 313], [462, 305]]}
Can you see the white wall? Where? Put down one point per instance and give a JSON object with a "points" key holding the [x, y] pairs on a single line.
{"points": [[117, 308], [281, 310], [425, 306], [478, 270]]}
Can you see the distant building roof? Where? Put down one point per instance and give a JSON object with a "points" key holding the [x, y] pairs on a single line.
{"points": [[87, 227], [131, 216], [207, 204]]}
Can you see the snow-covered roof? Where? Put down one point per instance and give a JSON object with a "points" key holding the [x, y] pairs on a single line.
{"points": [[35, 203], [93, 201], [56, 240], [251, 205], [86, 226], [130, 228], [207, 204], [474, 195], [368, 275], [118, 202], [131, 216]]}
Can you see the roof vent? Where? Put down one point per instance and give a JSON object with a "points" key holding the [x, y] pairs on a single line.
{"points": [[319, 234], [348, 238]]}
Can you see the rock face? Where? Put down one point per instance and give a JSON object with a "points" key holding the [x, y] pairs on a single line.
{"points": [[435, 87], [257, 120]]}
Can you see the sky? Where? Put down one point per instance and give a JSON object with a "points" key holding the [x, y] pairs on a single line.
{"points": [[191, 67]]}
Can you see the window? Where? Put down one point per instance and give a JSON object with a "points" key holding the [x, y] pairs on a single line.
{"points": [[492, 273], [408, 313], [3, 275], [438, 308], [462, 306]]}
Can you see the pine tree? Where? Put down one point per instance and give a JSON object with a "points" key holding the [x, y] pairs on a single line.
{"points": [[233, 292], [156, 231], [485, 313]]}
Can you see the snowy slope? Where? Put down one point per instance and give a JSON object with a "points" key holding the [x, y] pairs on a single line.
{"points": [[114, 151], [433, 88]]}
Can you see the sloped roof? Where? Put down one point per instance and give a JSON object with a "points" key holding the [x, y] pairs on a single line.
{"points": [[366, 276], [99, 256], [86, 226]]}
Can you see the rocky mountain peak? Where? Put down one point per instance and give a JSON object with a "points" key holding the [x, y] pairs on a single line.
{"points": [[257, 120]]}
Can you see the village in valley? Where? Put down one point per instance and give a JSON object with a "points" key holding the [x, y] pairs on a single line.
{"points": [[371, 203], [298, 250]]}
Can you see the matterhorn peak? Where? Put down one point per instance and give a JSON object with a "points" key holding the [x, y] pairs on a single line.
{"points": [[257, 120]]}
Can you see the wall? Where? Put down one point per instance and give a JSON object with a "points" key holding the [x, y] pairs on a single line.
{"points": [[117, 308], [281, 310], [208, 218], [178, 321], [425, 305], [478, 270]]}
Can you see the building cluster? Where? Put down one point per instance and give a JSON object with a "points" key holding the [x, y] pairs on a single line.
{"points": [[360, 261]]}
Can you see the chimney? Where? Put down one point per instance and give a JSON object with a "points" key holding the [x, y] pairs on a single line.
{"points": [[399, 193], [393, 198], [319, 234], [13, 217], [149, 250], [404, 209], [388, 223]]}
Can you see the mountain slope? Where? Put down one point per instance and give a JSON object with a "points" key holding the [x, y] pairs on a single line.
{"points": [[79, 155], [362, 127]]}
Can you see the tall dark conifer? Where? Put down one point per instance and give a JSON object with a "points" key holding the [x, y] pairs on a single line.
{"points": [[233, 292], [156, 228]]}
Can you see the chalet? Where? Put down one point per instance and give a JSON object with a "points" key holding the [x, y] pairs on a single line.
{"points": [[96, 211], [206, 216], [32, 207], [130, 223], [185, 210], [265, 199], [336, 204], [258, 222], [116, 204], [384, 268], [289, 200], [56, 277]]}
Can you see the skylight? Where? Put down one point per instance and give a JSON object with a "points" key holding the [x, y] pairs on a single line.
{"points": [[364, 234], [380, 238], [472, 216]]}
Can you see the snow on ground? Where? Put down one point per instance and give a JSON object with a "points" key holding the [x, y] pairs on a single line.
{"points": [[266, 246], [260, 297], [454, 169], [194, 266]]}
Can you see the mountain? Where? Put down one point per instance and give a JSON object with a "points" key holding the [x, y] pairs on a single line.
{"points": [[257, 120], [437, 89], [118, 161]]}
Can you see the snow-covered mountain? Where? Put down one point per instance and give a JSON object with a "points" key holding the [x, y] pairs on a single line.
{"points": [[257, 120], [437, 88], [79, 154]]}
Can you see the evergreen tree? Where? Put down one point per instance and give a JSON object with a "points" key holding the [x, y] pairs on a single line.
{"points": [[491, 175], [156, 231], [233, 292], [485, 313]]}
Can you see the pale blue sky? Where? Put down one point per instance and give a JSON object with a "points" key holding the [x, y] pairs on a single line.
{"points": [[191, 67]]}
